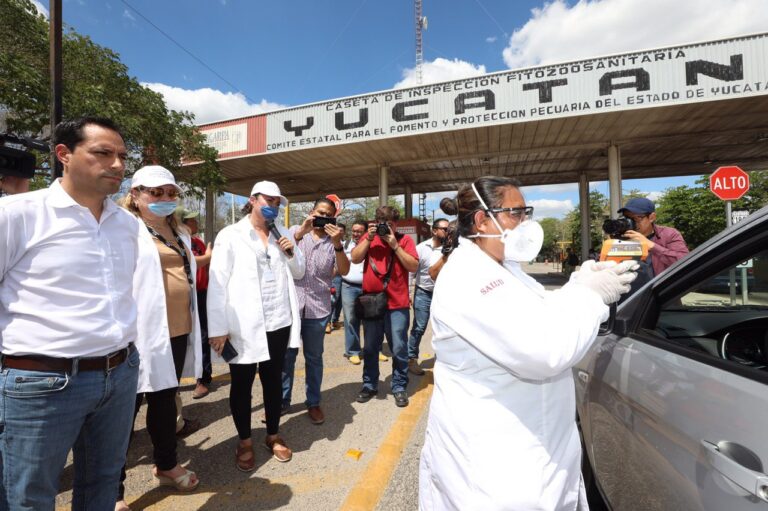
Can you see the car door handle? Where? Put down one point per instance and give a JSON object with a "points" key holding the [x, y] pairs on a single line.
{"points": [[583, 376], [753, 481]]}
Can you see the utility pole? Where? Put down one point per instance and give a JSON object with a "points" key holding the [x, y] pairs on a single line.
{"points": [[55, 65]]}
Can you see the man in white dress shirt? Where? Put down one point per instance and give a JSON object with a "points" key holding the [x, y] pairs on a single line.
{"points": [[67, 323]]}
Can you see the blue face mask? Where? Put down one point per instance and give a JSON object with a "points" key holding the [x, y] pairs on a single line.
{"points": [[162, 208], [269, 212]]}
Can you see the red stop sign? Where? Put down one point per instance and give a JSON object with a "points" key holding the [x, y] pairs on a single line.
{"points": [[729, 183]]}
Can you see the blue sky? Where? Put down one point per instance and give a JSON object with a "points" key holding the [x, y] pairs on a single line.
{"points": [[250, 56]]}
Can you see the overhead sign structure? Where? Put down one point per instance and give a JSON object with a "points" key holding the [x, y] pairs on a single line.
{"points": [[725, 69], [729, 183]]}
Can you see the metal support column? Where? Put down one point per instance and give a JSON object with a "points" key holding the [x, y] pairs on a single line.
{"points": [[586, 239], [408, 201], [383, 185], [210, 215], [54, 19], [614, 179]]}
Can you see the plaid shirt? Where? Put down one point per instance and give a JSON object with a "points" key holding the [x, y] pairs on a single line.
{"points": [[314, 289]]}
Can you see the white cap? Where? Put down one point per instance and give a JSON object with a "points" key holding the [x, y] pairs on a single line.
{"points": [[269, 188], [154, 176]]}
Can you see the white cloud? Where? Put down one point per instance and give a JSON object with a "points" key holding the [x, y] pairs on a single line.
{"points": [[42, 9], [210, 104], [560, 32], [558, 188], [440, 70], [127, 15], [654, 196], [548, 208], [491, 39]]}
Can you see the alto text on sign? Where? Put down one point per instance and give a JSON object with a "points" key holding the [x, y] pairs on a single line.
{"points": [[729, 183]]}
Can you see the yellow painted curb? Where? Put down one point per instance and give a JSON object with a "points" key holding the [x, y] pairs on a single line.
{"points": [[367, 492]]}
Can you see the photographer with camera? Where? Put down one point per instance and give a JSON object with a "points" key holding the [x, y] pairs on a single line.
{"points": [[429, 252], [665, 245], [320, 239], [388, 258]]}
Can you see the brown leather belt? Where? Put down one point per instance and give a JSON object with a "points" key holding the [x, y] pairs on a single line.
{"points": [[42, 363]]}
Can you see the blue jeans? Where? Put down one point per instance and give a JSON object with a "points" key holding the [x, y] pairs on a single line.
{"points": [[351, 321], [312, 336], [336, 300], [422, 300], [45, 414], [395, 325]]}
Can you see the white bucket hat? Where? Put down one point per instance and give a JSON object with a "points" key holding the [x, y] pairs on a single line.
{"points": [[269, 188], [153, 176]]}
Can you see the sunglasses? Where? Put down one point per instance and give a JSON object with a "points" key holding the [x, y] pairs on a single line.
{"points": [[159, 192]]}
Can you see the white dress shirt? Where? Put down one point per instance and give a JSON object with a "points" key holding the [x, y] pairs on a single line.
{"points": [[65, 278]]}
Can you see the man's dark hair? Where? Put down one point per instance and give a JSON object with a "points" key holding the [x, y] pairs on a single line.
{"points": [[387, 213], [437, 221], [325, 201], [341, 226], [70, 133], [360, 221]]}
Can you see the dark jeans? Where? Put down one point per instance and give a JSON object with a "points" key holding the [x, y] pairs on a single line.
{"points": [[337, 299], [161, 416], [202, 313], [270, 374]]}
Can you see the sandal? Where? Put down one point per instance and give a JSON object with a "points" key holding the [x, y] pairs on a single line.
{"points": [[281, 455], [181, 483], [190, 426], [245, 465]]}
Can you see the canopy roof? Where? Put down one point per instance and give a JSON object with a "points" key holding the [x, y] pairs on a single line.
{"points": [[672, 111]]}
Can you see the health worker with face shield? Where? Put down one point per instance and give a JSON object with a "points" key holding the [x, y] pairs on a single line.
{"points": [[501, 432]]}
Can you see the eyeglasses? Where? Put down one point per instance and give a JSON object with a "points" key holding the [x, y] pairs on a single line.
{"points": [[440, 229], [159, 192], [515, 213]]}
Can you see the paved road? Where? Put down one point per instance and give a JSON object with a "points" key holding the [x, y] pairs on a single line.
{"points": [[326, 472]]}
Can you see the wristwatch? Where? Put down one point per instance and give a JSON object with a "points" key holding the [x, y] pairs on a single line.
{"points": [[340, 249]]}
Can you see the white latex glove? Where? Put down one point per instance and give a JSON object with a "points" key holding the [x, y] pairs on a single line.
{"points": [[608, 279]]}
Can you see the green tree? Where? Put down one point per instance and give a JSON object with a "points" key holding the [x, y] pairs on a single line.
{"points": [[551, 228], [598, 211], [95, 82], [698, 214]]}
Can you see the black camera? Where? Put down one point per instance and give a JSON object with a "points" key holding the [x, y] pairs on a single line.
{"points": [[382, 228], [321, 221], [615, 228]]}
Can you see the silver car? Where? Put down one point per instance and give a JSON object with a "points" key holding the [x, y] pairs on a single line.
{"points": [[673, 396]]}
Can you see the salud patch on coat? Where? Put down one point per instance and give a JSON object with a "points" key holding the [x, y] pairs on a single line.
{"points": [[491, 286]]}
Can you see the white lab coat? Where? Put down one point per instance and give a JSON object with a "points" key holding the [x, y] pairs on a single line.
{"points": [[156, 371], [234, 295], [501, 432]]}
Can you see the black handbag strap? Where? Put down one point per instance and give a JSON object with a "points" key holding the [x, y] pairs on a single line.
{"points": [[389, 268]]}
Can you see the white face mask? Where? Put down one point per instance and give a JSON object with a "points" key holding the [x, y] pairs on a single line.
{"points": [[522, 243]]}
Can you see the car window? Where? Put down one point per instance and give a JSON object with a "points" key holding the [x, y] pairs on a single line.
{"points": [[723, 315]]}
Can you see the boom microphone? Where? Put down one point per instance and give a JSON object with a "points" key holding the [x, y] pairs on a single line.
{"points": [[273, 229]]}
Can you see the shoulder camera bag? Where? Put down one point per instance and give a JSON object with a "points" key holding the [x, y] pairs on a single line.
{"points": [[374, 305]]}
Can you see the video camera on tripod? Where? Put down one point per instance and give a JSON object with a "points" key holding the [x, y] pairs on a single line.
{"points": [[19, 162]]}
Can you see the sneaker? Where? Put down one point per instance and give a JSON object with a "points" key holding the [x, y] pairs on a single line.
{"points": [[354, 359], [328, 328], [316, 415], [365, 395], [401, 399], [383, 357], [414, 368]]}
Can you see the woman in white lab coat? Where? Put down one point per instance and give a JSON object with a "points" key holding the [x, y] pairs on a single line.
{"points": [[167, 322], [501, 432], [252, 303]]}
